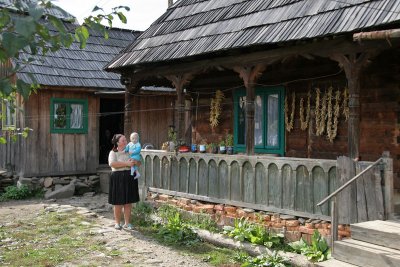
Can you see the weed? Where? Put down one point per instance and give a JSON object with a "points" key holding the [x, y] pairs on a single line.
{"points": [[272, 260], [22, 192], [141, 214], [316, 252]]}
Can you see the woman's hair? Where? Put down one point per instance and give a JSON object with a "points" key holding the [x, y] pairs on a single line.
{"points": [[114, 141]]}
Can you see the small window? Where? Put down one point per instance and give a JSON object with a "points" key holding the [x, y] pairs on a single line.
{"points": [[69, 115], [8, 121]]}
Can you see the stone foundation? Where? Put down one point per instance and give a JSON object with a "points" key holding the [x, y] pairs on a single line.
{"points": [[292, 227]]}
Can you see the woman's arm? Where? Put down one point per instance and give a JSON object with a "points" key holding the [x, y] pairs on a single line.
{"points": [[121, 164]]}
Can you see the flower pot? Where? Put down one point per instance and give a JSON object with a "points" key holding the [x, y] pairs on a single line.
{"points": [[202, 148], [229, 150], [171, 147], [222, 149], [194, 148]]}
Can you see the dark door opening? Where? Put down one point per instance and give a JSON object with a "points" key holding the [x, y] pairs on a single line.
{"points": [[111, 122]]}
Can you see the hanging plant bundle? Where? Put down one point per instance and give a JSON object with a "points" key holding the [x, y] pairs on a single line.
{"points": [[332, 128], [290, 122], [215, 108], [305, 120], [345, 104]]}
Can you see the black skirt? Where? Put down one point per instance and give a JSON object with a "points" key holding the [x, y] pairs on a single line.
{"points": [[123, 188]]}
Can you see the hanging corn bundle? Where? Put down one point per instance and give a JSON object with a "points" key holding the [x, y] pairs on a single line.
{"points": [[290, 122], [304, 120], [215, 108]]}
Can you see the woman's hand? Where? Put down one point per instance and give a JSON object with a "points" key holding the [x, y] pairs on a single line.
{"points": [[130, 162]]}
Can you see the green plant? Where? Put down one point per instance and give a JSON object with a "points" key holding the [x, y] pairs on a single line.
{"points": [[222, 143], [171, 135], [316, 252], [272, 260], [141, 214], [16, 193], [174, 231], [253, 233], [229, 140], [211, 145]]}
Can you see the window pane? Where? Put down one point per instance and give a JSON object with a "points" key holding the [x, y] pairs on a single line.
{"points": [[60, 116], [76, 116], [242, 120], [273, 120], [9, 115], [258, 123]]}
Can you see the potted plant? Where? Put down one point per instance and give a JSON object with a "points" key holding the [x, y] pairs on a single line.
{"points": [[202, 147], [229, 144], [213, 148], [172, 139], [222, 148]]}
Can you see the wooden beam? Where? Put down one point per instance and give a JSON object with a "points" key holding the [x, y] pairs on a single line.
{"points": [[353, 64], [249, 75], [131, 88], [321, 48], [179, 81]]}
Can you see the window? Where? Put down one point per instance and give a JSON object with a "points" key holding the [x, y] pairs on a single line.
{"points": [[8, 121], [268, 120], [68, 115]]}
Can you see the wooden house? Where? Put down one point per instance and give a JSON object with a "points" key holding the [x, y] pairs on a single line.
{"points": [[74, 114], [304, 83]]}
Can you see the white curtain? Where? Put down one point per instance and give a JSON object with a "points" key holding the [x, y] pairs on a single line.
{"points": [[76, 116]]}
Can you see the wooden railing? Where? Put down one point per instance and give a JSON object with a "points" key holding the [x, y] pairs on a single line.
{"points": [[375, 202], [276, 184]]}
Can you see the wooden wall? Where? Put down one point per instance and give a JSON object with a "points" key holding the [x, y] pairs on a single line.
{"points": [[46, 153], [152, 114]]}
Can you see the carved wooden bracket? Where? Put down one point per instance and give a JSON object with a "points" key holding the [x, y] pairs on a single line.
{"points": [[179, 81], [250, 74]]}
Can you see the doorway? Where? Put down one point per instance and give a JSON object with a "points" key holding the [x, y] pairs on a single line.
{"points": [[111, 122]]}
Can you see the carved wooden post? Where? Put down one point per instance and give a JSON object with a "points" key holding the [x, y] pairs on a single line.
{"points": [[388, 180], [179, 81], [249, 74], [353, 65], [132, 87]]}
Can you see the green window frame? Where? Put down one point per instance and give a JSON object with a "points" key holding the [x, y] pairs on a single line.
{"points": [[271, 140], [68, 115]]}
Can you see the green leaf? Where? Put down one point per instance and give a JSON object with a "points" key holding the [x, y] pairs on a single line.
{"points": [[13, 43], [35, 12], [58, 24], [25, 26], [82, 34], [66, 39], [3, 140], [5, 87], [4, 19], [121, 17], [23, 88]]}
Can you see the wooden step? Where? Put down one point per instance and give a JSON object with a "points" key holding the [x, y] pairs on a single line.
{"points": [[384, 233], [365, 254]]}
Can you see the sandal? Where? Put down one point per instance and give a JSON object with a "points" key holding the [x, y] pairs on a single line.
{"points": [[128, 226], [117, 226]]}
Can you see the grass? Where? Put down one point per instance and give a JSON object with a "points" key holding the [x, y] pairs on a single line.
{"points": [[47, 240]]}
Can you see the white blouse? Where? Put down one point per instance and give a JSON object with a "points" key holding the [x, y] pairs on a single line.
{"points": [[118, 156]]}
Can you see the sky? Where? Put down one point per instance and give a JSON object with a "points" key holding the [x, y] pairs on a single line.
{"points": [[142, 12]]}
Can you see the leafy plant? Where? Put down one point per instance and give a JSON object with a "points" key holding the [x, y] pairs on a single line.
{"points": [[316, 252], [229, 140], [141, 214], [253, 233], [273, 260], [16, 193]]}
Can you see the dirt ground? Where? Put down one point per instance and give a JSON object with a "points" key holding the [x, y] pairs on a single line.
{"points": [[138, 250]]}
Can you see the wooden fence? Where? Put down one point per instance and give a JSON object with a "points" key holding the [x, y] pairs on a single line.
{"points": [[290, 186]]}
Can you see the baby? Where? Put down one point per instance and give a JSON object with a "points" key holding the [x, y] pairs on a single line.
{"points": [[134, 148]]}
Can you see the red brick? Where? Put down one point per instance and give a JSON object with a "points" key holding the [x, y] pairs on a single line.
{"points": [[267, 218], [164, 197], [341, 227], [187, 208], [306, 230], [292, 223], [344, 233], [326, 226], [292, 228], [324, 232], [229, 214], [318, 225], [292, 236], [277, 225], [219, 207], [172, 202], [240, 213], [230, 209], [310, 225], [184, 201]]}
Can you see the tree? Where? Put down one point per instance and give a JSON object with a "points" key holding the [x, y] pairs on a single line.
{"points": [[28, 26]]}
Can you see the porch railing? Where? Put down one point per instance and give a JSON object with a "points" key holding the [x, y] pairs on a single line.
{"points": [[276, 184], [387, 201]]}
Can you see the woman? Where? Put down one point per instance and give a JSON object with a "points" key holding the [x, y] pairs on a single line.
{"points": [[123, 188]]}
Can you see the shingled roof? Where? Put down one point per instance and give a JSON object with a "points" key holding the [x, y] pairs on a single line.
{"points": [[75, 67], [199, 27]]}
